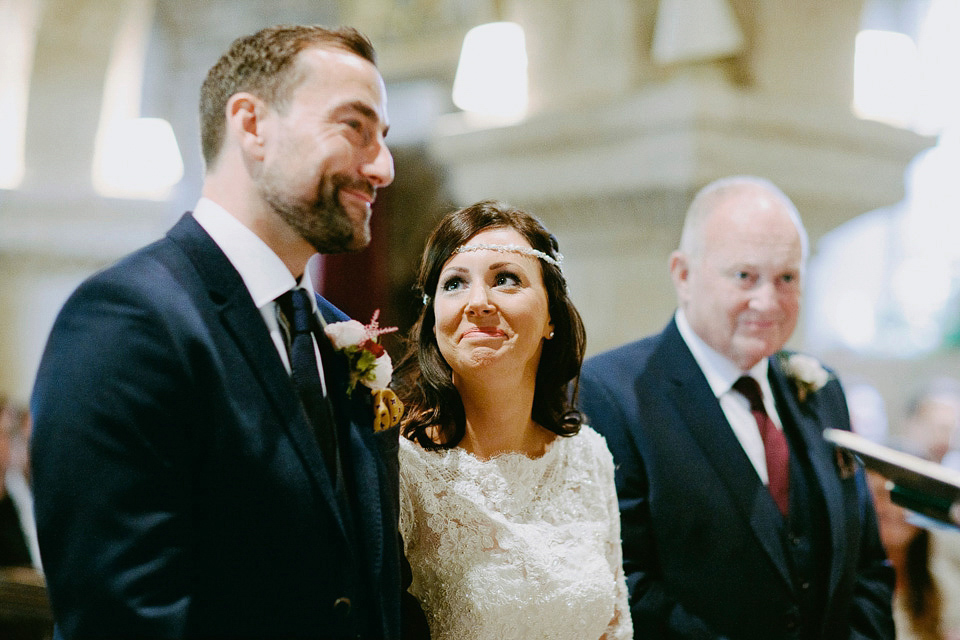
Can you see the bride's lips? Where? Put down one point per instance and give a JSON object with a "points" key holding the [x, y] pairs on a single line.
{"points": [[483, 332]]}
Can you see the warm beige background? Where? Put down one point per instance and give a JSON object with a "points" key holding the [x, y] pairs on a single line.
{"points": [[614, 148]]}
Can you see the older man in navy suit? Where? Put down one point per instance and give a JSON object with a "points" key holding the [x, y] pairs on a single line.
{"points": [[186, 485], [738, 520]]}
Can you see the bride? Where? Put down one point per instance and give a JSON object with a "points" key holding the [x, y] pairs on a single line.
{"points": [[508, 508]]}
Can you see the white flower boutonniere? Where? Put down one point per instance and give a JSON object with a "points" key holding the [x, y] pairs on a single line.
{"points": [[806, 372], [369, 364]]}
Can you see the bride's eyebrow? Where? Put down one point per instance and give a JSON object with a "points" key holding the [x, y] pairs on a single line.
{"points": [[455, 269], [500, 265]]}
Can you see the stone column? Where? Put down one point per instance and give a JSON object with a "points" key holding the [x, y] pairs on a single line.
{"points": [[54, 230], [612, 176]]}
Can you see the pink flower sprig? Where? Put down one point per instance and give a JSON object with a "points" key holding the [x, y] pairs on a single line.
{"points": [[369, 362]]}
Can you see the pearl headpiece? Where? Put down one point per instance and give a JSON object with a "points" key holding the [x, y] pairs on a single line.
{"points": [[506, 248], [512, 248]]}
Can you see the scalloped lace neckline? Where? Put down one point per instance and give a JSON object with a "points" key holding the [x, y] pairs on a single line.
{"points": [[507, 457]]}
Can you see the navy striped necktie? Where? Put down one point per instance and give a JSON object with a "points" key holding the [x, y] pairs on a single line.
{"points": [[298, 313]]}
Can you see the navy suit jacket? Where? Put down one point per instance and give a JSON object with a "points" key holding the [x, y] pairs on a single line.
{"points": [[180, 491], [703, 542]]}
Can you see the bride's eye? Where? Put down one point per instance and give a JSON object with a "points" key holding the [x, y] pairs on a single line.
{"points": [[453, 283], [507, 278]]}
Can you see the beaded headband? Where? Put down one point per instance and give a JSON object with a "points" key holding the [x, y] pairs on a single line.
{"points": [[506, 248], [512, 248]]}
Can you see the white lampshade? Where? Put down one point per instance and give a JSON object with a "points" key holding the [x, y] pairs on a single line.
{"points": [[491, 77], [20, 19], [138, 158], [886, 77], [693, 30]]}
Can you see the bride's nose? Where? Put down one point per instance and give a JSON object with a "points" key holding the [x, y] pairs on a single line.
{"points": [[479, 302]]}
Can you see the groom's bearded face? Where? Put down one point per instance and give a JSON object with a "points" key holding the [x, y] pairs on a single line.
{"points": [[323, 150], [321, 219]]}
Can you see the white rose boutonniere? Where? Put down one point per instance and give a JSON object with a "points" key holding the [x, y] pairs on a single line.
{"points": [[369, 364], [806, 372]]}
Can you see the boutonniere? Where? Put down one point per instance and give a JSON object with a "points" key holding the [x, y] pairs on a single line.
{"points": [[846, 463], [369, 364], [807, 374]]}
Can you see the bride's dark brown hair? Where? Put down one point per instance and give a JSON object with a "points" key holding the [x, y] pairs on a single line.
{"points": [[422, 378]]}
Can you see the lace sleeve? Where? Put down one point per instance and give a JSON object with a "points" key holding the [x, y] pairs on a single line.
{"points": [[409, 470], [621, 626]]}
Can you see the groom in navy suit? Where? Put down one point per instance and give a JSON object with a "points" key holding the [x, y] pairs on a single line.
{"points": [[738, 520], [182, 488]]}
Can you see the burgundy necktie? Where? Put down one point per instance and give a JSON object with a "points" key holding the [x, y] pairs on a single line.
{"points": [[774, 443]]}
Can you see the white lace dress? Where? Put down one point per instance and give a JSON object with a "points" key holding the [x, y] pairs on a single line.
{"points": [[515, 547]]}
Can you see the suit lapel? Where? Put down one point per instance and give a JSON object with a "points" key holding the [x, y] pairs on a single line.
{"points": [[361, 462], [703, 417], [810, 426], [243, 322], [367, 475]]}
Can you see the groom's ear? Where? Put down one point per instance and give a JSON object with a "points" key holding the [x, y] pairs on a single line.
{"points": [[245, 115]]}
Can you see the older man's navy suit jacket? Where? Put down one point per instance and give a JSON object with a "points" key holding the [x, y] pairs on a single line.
{"points": [[706, 552]]}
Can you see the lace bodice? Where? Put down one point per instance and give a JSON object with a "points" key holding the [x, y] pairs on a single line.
{"points": [[515, 547]]}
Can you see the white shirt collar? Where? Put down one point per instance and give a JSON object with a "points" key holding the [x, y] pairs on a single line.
{"points": [[720, 372], [263, 272]]}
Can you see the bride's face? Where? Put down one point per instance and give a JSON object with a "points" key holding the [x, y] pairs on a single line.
{"points": [[491, 308]]}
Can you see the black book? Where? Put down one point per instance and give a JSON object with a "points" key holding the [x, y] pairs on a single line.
{"points": [[917, 484]]}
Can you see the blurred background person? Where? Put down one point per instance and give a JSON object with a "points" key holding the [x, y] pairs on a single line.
{"points": [[924, 553], [931, 429], [18, 535], [926, 599]]}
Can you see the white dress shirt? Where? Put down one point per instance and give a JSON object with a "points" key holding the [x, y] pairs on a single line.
{"points": [[721, 374], [263, 272]]}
